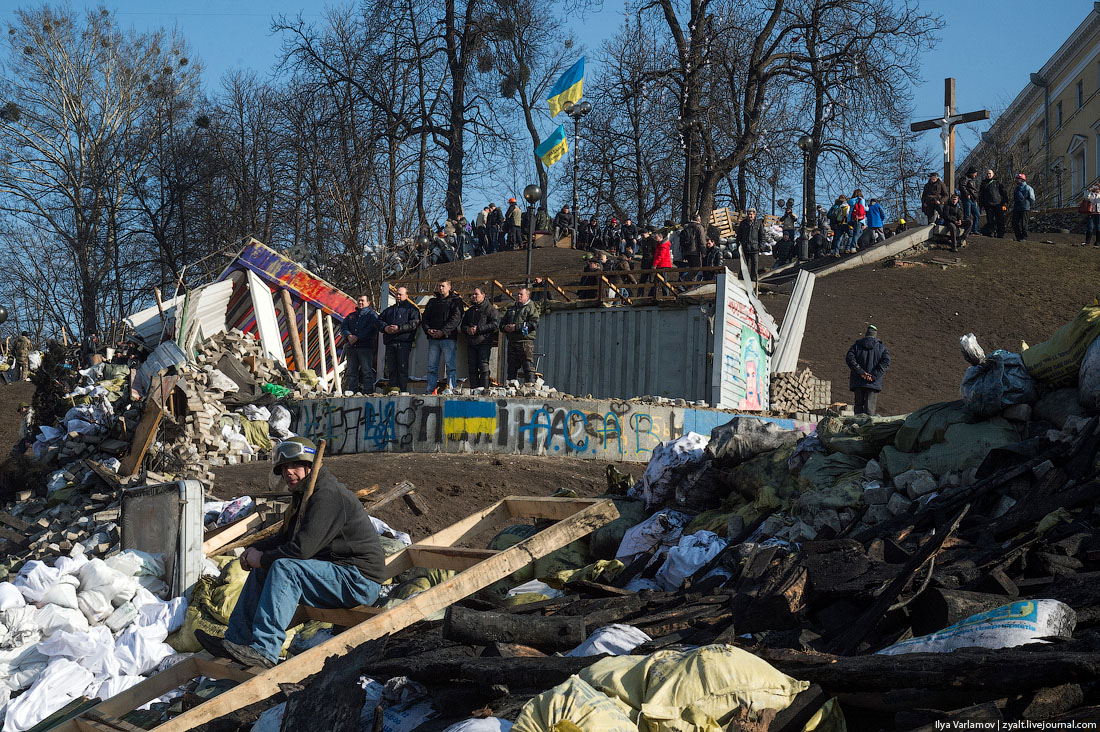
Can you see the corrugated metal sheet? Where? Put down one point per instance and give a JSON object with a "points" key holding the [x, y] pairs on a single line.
{"points": [[206, 310], [624, 352], [165, 355]]}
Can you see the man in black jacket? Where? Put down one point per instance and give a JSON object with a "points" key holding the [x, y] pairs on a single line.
{"points": [[327, 555], [565, 223], [480, 323], [442, 319], [630, 238], [750, 238], [398, 324], [867, 361], [494, 228], [992, 198], [360, 331], [955, 221], [968, 187]]}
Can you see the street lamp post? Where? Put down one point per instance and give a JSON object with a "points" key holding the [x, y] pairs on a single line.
{"points": [[532, 194], [576, 111], [806, 144], [1044, 84]]}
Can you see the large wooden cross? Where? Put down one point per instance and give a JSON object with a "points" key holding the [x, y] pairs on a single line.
{"points": [[946, 125]]}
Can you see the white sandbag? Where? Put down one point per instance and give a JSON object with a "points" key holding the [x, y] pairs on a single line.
{"points": [[1015, 624], [10, 596], [20, 666], [279, 423], [154, 585], [674, 462], [660, 529], [54, 618], [117, 685], [616, 640], [1088, 378], [166, 616], [70, 565], [690, 554], [61, 682], [97, 575], [489, 724], [139, 650], [35, 579], [136, 563], [5, 697], [21, 626], [62, 594], [255, 413], [94, 605]]}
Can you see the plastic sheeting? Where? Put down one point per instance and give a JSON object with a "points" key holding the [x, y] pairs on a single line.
{"points": [[61, 682], [660, 529], [690, 554], [674, 463], [615, 640]]}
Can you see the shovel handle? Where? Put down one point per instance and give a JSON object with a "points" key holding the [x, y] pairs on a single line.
{"points": [[310, 484]]}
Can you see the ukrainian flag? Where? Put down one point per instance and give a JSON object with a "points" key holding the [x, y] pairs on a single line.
{"points": [[568, 88], [469, 418], [553, 147]]}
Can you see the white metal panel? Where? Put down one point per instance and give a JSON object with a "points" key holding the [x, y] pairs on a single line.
{"points": [[267, 322], [743, 344]]}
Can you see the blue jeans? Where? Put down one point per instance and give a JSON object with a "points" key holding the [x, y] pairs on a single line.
{"points": [[494, 240], [360, 373], [445, 348], [270, 598], [856, 234], [840, 241], [972, 212]]}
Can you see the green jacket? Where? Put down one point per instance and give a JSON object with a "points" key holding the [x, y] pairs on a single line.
{"points": [[520, 316]]}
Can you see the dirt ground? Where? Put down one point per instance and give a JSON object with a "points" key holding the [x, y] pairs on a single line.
{"points": [[452, 486], [1003, 291]]}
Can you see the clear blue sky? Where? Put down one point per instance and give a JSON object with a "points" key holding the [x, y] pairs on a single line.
{"points": [[989, 47]]}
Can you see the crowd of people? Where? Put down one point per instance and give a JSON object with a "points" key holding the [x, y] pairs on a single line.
{"points": [[445, 318], [960, 211]]}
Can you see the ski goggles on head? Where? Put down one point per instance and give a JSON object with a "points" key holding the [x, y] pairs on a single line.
{"points": [[290, 450]]}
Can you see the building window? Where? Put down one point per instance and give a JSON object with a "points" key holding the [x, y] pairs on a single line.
{"points": [[1080, 94], [1058, 116], [1080, 174], [1027, 148]]}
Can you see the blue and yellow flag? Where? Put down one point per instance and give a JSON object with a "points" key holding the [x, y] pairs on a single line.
{"points": [[568, 88], [553, 147]]}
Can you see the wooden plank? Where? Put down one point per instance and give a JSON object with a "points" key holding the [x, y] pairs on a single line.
{"points": [[597, 513], [13, 522], [455, 558], [292, 329], [337, 382], [558, 289], [390, 494], [216, 539], [343, 616], [146, 430], [110, 723], [14, 537], [152, 688], [472, 525], [221, 668], [415, 503]]}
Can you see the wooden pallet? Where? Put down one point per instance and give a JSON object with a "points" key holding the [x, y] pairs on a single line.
{"points": [[726, 221], [477, 568]]}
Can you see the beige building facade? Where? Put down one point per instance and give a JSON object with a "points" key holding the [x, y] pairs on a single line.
{"points": [[1051, 131]]}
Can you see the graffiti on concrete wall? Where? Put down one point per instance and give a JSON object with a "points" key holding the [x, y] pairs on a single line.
{"points": [[605, 430]]}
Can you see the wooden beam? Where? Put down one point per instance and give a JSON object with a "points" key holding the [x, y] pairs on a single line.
{"points": [[326, 383], [343, 616], [390, 494], [598, 513], [146, 430], [292, 328], [558, 289], [218, 538], [455, 558], [337, 382]]}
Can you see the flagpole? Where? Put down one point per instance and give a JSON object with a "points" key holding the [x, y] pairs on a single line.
{"points": [[576, 111]]}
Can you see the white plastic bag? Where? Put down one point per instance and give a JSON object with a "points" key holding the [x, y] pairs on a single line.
{"points": [[488, 724], [62, 594], [617, 640], [139, 650], [384, 529], [61, 682], [221, 382], [21, 625], [690, 554], [972, 350], [1015, 624], [279, 423]]}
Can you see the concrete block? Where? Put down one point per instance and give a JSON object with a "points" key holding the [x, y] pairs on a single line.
{"points": [[875, 494], [1004, 504], [898, 504], [873, 471], [827, 518], [877, 514], [915, 483]]}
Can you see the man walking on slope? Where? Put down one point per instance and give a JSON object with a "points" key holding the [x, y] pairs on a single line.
{"points": [[867, 360]]}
